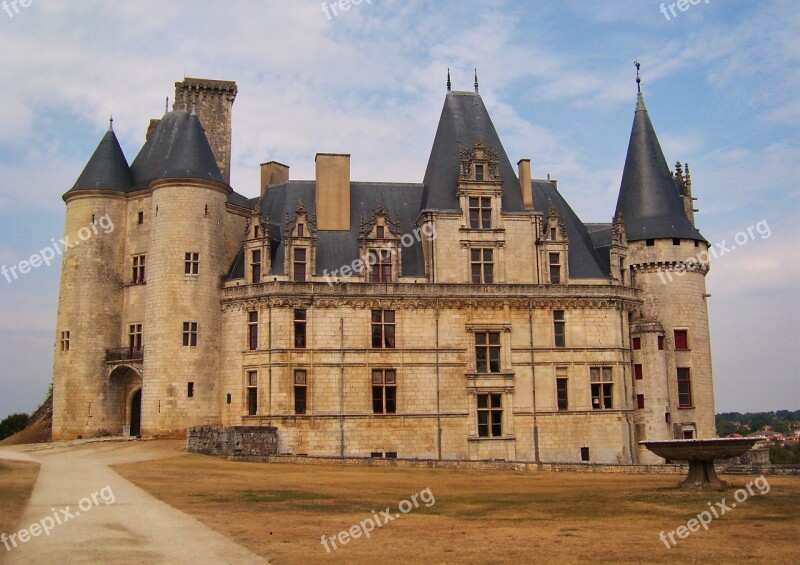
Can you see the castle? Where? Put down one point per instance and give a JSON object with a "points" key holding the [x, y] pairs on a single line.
{"points": [[471, 316]]}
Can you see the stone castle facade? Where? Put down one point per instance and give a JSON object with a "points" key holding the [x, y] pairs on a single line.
{"points": [[471, 316]]}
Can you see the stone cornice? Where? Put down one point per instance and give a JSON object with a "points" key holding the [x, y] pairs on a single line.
{"points": [[427, 296]]}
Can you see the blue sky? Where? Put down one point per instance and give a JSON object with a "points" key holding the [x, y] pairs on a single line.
{"points": [[721, 82]]}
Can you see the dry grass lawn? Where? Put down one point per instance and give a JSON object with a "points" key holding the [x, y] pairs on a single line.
{"points": [[280, 511], [17, 479]]}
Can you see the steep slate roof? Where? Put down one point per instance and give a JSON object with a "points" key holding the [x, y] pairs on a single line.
{"points": [[190, 156], [464, 119], [107, 168], [151, 161], [584, 260], [648, 197]]}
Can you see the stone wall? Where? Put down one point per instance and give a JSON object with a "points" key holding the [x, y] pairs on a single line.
{"points": [[234, 442]]}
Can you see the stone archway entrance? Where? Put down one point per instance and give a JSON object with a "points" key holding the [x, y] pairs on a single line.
{"points": [[136, 413], [124, 400]]}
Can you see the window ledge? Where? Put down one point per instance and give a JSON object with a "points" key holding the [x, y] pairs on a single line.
{"points": [[502, 438]]}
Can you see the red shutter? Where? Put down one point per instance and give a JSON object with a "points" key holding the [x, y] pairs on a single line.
{"points": [[637, 371], [681, 339]]}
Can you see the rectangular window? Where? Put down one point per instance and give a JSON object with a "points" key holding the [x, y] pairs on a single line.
{"points": [[637, 372], [661, 343], [553, 234], [482, 263], [134, 337], [637, 343], [141, 218], [191, 264], [688, 434], [480, 213], [255, 266], [383, 329], [602, 387], [190, 334], [301, 230], [138, 269], [252, 393], [562, 393], [650, 242], [555, 268], [64, 341], [300, 391], [380, 232], [487, 352], [490, 415], [478, 172], [380, 265], [684, 387], [190, 390], [300, 257], [681, 339], [676, 241], [584, 454], [300, 325], [252, 331], [559, 328], [384, 391], [640, 401]]}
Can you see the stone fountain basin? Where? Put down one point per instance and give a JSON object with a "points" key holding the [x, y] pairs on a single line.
{"points": [[701, 449]]}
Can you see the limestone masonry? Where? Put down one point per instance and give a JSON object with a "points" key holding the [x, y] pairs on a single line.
{"points": [[471, 316]]}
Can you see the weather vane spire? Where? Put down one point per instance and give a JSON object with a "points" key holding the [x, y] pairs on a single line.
{"points": [[111, 123], [449, 84], [476, 79], [638, 78]]}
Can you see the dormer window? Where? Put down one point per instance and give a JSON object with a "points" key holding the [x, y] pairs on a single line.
{"points": [[380, 232], [480, 212], [479, 172], [301, 230], [553, 234], [380, 265], [256, 232]]}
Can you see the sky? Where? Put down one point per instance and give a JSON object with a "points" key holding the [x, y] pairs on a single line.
{"points": [[721, 82]]}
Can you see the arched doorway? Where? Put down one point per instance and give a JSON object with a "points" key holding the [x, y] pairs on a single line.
{"points": [[124, 400], [136, 413]]}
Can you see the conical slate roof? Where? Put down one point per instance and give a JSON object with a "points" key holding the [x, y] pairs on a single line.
{"points": [[649, 200], [464, 119], [151, 161], [191, 156], [107, 168]]}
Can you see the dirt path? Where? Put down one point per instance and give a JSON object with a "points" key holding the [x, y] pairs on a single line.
{"points": [[119, 524]]}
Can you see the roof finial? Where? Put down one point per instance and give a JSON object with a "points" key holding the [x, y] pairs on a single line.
{"points": [[111, 123], [194, 109], [449, 84], [638, 78], [476, 80], [166, 106]]}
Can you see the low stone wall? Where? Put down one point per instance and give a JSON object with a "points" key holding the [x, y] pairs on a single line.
{"points": [[239, 443]]}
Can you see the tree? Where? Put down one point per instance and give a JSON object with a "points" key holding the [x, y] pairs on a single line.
{"points": [[13, 424]]}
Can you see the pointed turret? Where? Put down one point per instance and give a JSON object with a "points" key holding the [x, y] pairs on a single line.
{"points": [[648, 197], [191, 156], [464, 119], [107, 168]]}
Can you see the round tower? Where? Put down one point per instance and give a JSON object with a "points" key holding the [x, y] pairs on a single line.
{"points": [[90, 296], [668, 258], [185, 262]]}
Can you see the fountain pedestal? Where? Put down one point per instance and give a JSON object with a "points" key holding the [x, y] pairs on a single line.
{"points": [[701, 454]]}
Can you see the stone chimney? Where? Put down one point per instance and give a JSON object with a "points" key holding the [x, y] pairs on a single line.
{"points": [[525, 184], [272, 173], [333, 191], [213, 102]]}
